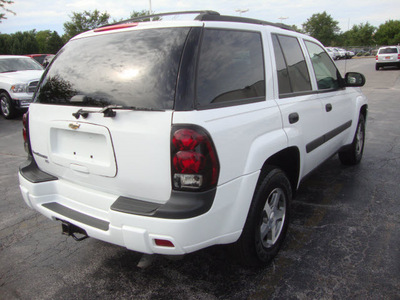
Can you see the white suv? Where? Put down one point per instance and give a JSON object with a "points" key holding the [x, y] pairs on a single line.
{"points": [[171, 136], [388, 56]]}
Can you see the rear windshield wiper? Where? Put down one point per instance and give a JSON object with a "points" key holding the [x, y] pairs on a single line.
{"points": [[109, 111]]}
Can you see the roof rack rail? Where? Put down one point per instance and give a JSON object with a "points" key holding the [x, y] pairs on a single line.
{"points": [[200, 12], [209, 17], [206, 15]]}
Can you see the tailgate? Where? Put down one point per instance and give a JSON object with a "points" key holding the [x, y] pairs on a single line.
{"points": [[126, 155]]}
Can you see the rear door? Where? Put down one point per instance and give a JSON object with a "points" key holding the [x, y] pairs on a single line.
{"points": [[302, 111], [102, 114]]}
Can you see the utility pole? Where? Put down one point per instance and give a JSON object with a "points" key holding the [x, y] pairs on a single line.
{"points": [[283, 18], [241, 11]]}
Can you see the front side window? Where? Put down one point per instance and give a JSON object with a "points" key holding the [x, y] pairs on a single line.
{"points": [[293, 76], [134, 68], [325, 70], [230, 68]]}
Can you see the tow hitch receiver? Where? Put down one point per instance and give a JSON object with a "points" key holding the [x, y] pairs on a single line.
{"points": [[71, 230]]}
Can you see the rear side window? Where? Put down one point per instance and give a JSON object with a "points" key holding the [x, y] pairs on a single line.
{"points": [[135, 68], [326, 73], [230, 68], [293, 76]]}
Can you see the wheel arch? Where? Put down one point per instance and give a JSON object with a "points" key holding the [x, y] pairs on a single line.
{"points": [[288, 160], [364, 111], [4, 91]]}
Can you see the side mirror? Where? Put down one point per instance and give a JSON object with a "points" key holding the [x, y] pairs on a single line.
{"points": [[354, 79]]}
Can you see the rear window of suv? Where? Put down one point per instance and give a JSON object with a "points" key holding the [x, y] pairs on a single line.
{"points": [[388, 50], [135, 68]]}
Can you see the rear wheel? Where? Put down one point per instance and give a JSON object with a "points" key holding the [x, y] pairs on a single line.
{"points": [[377, 67], [353, 154], [6, 107], [267, 221]]}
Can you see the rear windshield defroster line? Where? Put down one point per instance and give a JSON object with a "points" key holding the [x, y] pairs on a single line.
{"points": [[136, 68]]}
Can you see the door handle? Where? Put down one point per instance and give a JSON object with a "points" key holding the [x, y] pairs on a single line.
{"points": [[293, 118], [328, 107]]}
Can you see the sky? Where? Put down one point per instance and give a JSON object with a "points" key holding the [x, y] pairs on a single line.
{"points": [[52, 14]]}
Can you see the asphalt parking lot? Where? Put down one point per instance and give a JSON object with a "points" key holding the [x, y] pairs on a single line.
{"points": [[343, 241]]}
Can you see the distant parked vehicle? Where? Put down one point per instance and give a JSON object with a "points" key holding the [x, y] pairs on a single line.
{"points": [[19, 76], [335, 53], [388, 56], [40, 58], [48, 60], [342, 52], [349, 54], [332, 54]]}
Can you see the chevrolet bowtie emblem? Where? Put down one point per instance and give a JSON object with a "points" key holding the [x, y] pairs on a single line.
{"points": [[74, 126]]}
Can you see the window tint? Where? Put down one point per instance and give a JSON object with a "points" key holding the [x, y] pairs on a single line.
{"points": [[388, 50], [296, 73], [231, 67], [133, 68], [283, 76], [325, 70]]}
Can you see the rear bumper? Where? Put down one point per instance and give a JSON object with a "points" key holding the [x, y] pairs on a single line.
{"points": [[388, 63], [95, 212]]}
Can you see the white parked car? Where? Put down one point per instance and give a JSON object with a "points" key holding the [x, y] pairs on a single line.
{"points": [[332, 53], [19, 76], [171, 136], [342, 52], [388, 56], [349, 54]]}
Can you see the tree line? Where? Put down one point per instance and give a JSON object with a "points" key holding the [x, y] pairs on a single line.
{"points": [[324, 28], [321, 26]]}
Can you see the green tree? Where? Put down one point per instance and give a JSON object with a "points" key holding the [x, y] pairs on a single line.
{"points": [[81, 22], [54, 43], [322, 27], [24, 43], [2, 5], [295, 28], [136, 14], [358, 35], [42, 38], [5, 43], [388, 33]]}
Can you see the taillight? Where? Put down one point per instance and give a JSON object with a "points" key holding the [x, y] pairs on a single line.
{"points": [[398, 56], [25, 132], [194, 161], [376, 57]]}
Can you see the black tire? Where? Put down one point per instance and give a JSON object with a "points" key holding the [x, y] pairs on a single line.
{"points": [[354, 153], [6, 107], [267, 221], [377, 67]]}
